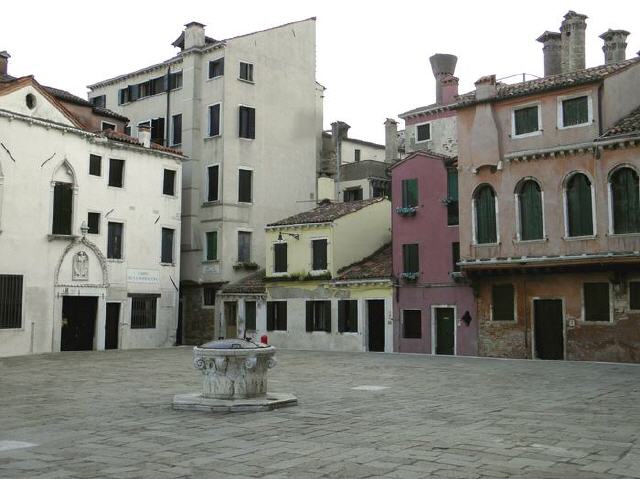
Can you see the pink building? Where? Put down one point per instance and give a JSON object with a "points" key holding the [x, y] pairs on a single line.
{"points": [[434, 308]]}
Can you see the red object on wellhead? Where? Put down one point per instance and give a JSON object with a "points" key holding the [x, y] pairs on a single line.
{"points": [[264, 339]]}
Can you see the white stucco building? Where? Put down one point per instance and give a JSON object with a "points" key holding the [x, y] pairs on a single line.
{"points": [[247, 111], [89, 228]]}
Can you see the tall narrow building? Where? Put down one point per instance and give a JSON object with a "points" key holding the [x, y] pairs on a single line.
{"points": [[245, 112]]}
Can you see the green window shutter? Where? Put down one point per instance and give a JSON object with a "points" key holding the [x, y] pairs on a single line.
{"points": [[343, 309], [250, 315], [280, 257], [486, 216], [625, 195], [575, 111], [634, 295], [409, 193], [319, 252], [526, 120], [579, 206], [502, 299], [325, 316], [309, 317], [411, 259], [596, 301], [452, 196], [282, 315], [271, 320], [62, 208], [530, 211], [212, 245]]}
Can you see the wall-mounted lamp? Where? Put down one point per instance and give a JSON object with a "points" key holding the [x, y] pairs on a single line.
{"points": [[294, 235], [466, 318]]}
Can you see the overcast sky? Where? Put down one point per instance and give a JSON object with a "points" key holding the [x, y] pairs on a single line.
{"points": [[373, 57]]}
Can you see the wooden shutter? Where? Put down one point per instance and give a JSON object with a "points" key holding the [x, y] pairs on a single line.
{"points": [[319, 248], [280, 257], [116, 173], [169, 183], [452, 196], [409, 193], [252, 123], [530, 211], [326, 315], [62, 208], [245, 186], [212, 245], [411, 259], [502, 298], [93, 223], [247, 122], [167, 245], [309, 316], [177, 129], [95, 165], [250, 315], [212, 194], [343, 311], [526, 120], [596, 302], [575, 111], [282, 315], [10, 301], [271, 306], [579, 206], [626, 201], [486, 215], [114, 240], [214, 120], [244, 246]]}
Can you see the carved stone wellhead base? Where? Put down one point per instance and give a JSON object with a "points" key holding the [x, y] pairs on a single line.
{"points": [[234, 378]]}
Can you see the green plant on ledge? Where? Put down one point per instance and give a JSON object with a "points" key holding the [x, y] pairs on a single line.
{"points": [[246, 265]]}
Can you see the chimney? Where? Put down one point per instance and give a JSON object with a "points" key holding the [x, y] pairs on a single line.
{"points": [[144, 135], [194, 35], [443, 65], [615, 45], [552, 52], [390, 140], [572, 38], [449, 85], [4, 62], [339, 131], [486, 87]]}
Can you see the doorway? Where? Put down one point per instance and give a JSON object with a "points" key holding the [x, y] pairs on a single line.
{"points": [[445, 331], [548, 328], [375, 324], [78, 322], [111, 326], [231, 319]]}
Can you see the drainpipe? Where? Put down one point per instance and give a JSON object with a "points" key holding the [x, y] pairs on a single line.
{"points": [[167, 127]]}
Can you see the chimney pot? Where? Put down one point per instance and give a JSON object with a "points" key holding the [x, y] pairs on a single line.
{"points": [[552, 52], [486, 87], [194, 35], [144, 135], [615, 45], [443, 65], [572, 32], [4, 62]]}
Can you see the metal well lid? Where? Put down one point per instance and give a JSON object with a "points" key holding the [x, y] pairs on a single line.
{"points": [[233, 343]]}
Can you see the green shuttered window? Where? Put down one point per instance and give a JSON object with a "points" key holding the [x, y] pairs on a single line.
{"points": [[452, 196], [525, 120], [410, 258], [485, 203], [596, 301], [319, 251], [579, 206], [276, 315], [280, 258], [250, 315], [62, 208], [409, 193], [625, 196], [502, 299], [575, 111], [212, 245], [318, 316], [530, 199]]}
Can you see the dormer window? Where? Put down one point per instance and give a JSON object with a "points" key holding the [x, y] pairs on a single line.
{"points": [[526, 121], [574, 111]]}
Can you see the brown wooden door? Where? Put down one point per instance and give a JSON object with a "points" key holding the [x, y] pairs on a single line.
{"points": [[78, 322], [231, 319], [549, 328]]}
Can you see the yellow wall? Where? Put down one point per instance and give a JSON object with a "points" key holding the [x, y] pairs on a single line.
{"points": [[299, 250]]}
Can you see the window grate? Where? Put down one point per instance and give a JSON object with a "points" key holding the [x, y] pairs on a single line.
{"points": [[143, 312], [10, 301]]}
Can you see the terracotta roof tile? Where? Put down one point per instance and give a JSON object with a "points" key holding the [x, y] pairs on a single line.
{"points": [[377, 265], [553, 82], [117, 136], [64, 95], [626, 125], [326, 212], [251, 284]]}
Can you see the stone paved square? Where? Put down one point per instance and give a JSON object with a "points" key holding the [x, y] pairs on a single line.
{"points": [[108, 415]]}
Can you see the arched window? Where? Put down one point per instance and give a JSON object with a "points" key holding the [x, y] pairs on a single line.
{"points": [[530, 205], [485, 212], [625, 201], [579, 208]]}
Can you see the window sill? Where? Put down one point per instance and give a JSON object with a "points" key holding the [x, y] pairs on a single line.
{"points": [[172, 197], [210, 261], [115, 260], [245, 203], [214, 78], [600, 323], [55, 237], [481, 245], [115, 187], [351, 333], [318, 272], [246, 265], [623, 235], [212, 137], [167, 264], [95, 176], [244, 80], [176, 145], [580, 125], [423, 141], [206, 204], [526, 135], [13, 330], [245, 138], [579, 238], [531, 241]]}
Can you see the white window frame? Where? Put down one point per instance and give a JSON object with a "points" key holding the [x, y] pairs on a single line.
{"points": [[273, 259], [517, 203], [208, 67], [246, 168], [474, 218], [563, 98], [115, 127], [173, 244], [100, 229], [253, 71], [172, 128], [312, 271], [522, 106], [206, 245], [208, 120], [123, 256], [565, 207], [611, 225], [611, 300], [430, 132], [255, 121]]}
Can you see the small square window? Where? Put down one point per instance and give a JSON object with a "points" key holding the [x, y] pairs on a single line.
{"points": [[246, 71], [95, 165], [209, 296], [216, 68], [108, 126], [525, 120], [169, 183], [423, 132], [93, 222]]}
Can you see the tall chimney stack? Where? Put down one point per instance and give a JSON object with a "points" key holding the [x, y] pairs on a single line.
{"points": [[572, 33], [390, 140], [4, 62], [443, 65], [552, 52], [615, 45], [194, 35]]}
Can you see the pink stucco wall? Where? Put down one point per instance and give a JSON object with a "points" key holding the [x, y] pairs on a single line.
{"points": [[428, 228]]}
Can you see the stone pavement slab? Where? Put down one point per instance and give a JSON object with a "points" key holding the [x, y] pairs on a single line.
{"points": [[360, 415]]}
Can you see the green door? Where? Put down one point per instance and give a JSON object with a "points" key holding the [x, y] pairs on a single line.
{"points": [[445, 331]]}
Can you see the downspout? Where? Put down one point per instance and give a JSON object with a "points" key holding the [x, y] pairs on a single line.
{"points": [[167, 127], [600, 95]]}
